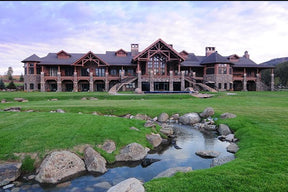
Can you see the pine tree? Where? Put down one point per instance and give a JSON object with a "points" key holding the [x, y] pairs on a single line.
{"points": [[21, 79], [2, 85], [11, 85], [9, 73]]}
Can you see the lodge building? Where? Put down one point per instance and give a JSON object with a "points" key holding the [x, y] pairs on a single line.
{"points": [[159, 67]]}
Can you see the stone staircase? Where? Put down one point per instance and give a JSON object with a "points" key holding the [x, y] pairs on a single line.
{"points": [[113, 90], [206, 87]]}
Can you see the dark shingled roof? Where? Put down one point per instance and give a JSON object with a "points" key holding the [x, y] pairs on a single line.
{"points": [[245, 62], [51, 59], [111, 58], [191, 61], [33, 57], [215, 58]]}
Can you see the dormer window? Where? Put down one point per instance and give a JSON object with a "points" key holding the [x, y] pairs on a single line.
{"points": [[184, 54], [63, 55], [121, 53]]}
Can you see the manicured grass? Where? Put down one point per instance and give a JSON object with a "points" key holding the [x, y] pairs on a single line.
{"points": [[261, 126]]}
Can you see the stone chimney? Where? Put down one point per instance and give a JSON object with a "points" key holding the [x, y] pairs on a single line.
{"points": [[246, 55], [209, 50], [134, 49]]}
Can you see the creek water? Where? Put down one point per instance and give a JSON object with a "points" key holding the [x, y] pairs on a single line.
{"points": [[187, 138]]}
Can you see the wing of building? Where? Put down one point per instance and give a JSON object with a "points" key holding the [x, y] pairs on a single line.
{"points": [[158, 67]]}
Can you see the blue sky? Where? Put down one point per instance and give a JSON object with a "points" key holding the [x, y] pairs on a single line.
{"points": [[260, 27]]}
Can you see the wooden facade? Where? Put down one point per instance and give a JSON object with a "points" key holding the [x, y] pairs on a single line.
{"points": [[159, 67]]}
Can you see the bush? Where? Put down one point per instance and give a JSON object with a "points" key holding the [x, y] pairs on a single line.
{"points": [[11, 85], [27, 164]]}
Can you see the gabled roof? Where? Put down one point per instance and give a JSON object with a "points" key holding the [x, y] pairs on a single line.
{"points": [[90, 55], [33, 57], [121, 50], [215, 58], [65, 53], [153, 44]]}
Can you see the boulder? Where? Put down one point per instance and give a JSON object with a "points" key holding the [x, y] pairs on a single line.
{"points": [[60, 111], [224, 129], [58, 166], [207, 154], [167, 130], [132, 152], [154, 139], [232, 148], [9, 172], [208, 112], [149, 124], [210, 127], [109, 146], [138, 91], [221, 160], [227, 116], [19, 99], [163, 117], [170, 172], [128, 185], [3, 101], [94, 161], [229, 137], [189, 118], [142, 117], [175, 116], [13, 109]]}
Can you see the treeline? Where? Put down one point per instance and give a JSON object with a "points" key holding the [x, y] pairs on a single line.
{"points": [[280, 76]]}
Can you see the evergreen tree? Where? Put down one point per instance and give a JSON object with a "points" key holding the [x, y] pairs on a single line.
{"points": [[11, 85], [2, 85], [21, 79], [9, 73]]}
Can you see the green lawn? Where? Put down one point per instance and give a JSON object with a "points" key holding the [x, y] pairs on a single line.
{"points": [[261, 125]]}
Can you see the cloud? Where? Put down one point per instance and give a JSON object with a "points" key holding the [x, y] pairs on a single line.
{"points": [[80, 26]]}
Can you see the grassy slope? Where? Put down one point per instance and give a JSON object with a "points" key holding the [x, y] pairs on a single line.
{"points": [[261, 163]]}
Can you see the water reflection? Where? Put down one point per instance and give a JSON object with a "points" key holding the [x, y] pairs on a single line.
{"points": [[165, 157]]}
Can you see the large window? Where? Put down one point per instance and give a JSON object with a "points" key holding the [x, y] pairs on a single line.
{"points": [[222, 69], [130, 72], [157, 64], [210, 70], [53, 71], [69, 71], [100, 72], [114, 72], [31, 68], [84, 71]]}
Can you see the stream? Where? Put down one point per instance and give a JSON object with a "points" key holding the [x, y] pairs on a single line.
{"points": [[188, 140]]}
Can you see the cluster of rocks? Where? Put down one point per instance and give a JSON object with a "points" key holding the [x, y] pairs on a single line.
{"points": [[17, 99], [59, 166]]}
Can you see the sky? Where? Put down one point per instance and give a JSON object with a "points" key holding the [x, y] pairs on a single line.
{"points": [[232, 27]]}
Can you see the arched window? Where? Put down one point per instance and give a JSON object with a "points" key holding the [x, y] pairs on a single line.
{"points": [[157, 64]]}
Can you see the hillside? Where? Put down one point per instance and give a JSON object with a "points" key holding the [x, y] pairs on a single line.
{"points": [[274, 62]]}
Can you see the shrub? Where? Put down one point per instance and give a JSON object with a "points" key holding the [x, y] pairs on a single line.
{"points": [[11, 85], [27, 164]]}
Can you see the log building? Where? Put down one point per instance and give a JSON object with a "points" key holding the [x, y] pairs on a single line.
{"points": [[158, 67]]}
